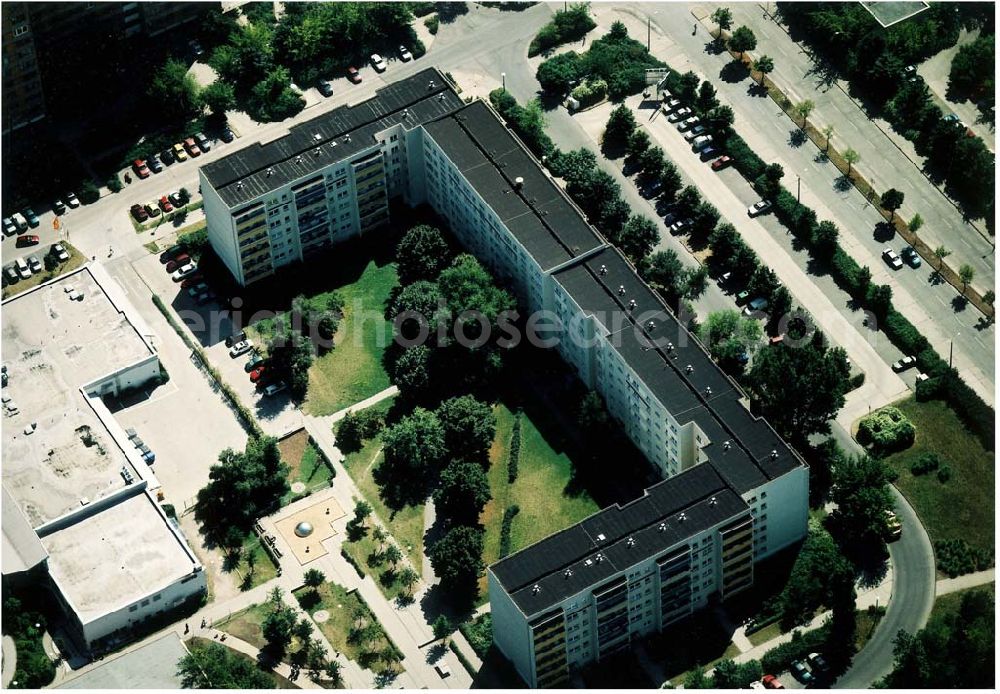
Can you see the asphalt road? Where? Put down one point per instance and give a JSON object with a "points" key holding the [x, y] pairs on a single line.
{"points": [[935, 309]]}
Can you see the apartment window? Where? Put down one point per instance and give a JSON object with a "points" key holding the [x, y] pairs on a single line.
{"points": [[21, 30], [393, 138], [157, 597], [133, 608]]}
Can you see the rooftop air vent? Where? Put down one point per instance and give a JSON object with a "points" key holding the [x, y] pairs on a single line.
{"points": [[689, 369], [317, 137], [621, 289], [712, 501], [683, 517], [708, 390], [441, 96], [298, 160], [519, 182], [630, 542], [726, 445], [430, 85], [650, 325], [600, 537], [598, 558], [536, 589], [588, 562], [774, 455], [567, 573], [406, 113], [603, 270], [270, 171], [316, 151], [239, 185], [661, 527], [347, 137], [631, 304], [670, 346]]}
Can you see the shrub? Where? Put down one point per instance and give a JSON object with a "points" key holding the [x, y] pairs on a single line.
{"points": [[89, 193], [956, 557], [567, 25], [479, 633], [114, 184], [421, 9], [857, 380], [926, 462], [350, 560], [515, 449], [944, 474], [887, 430], [590, 92], [780, 657], [508, 520], [432, 24]]}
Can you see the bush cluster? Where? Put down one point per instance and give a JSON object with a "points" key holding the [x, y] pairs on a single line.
{"points": [[956, 557], [515, 449], [479, 633], [780, 657], [887, 430], [925, 462], [590, 92], [508, 519], [350, 560], [571, 24]]}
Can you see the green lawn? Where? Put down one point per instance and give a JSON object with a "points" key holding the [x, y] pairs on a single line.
{"points": [[963, 507], [950, 603], [305, 464], [197, 643], [540, 490], [347, 610], [245, 624], [365, 552], [353, 370], [771, 631], [407, 525]]}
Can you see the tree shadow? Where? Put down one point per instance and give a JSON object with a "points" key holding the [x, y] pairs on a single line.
{"points": [[715, 47], [797, 138], [872, 569], [450, 11], [435, 653], [983, 323], [756, 89], [734, 72], [842, 183], [959, 303], [935, 278], [884, 232], [821, 158]]}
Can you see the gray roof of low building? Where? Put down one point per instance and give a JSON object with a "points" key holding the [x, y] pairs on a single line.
{"points": [[536, 211], [343, 132], [610, 541]]}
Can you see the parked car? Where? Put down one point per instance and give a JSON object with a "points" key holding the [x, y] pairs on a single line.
{"points": [[679, 115], [757, 685], [139, 212], [192, 147], [34, 263], [140, 168], [31, 217], [324, 87], [891, 259], [27, 240], [652, 189], [688, 123], [755, 305], [772, 682], [71, 200], [759, 207], [274, 389], [817, 662], [153, 208], [353, 75], [154, 164], [192, 280], [203, 142], [695, 132], [701, 142], [23, 271], [801, 672], [9, 228], [742, 297], [195, 290], [58, 207], [226, 135], [165, 204], [911, 256], [671, 104], [709, 152], [894, 525], [167, 156], [196, 48], [178, 262], [10, 275], [241, 347], [179, 153], [378, 63], [257, 373], [678, 227], [60, 252], [904, 363], [176, 199], [183, 271], [241, 336], [404, 54], [254, 361]]}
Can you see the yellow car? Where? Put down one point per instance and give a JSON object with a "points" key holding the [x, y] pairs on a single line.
{"points": [[179, 152]]}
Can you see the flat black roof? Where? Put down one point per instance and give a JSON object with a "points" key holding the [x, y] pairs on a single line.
{"points": [[535, 209], [611, 540], [336, 135]]}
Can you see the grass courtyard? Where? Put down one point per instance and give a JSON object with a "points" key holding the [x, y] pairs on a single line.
{"points": [[962, 507], [542, 490], [306, 464], [950, 603], [76, 259], [198, 643]]}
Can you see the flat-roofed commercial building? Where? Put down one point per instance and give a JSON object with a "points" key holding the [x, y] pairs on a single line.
{"points": [[734, 493], [79, 510]]}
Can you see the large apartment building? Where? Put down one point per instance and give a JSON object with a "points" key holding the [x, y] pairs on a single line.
{"points": [[733, 492]]}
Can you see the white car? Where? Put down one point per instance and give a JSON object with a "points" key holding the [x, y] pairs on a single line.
{"points": [[9, 228], [404, 54], [696, 131], [274, 388], [60, 252], [241, 347], [378, 63], [671, 104], [891, 259], [183, 271], [71, 200], [759, 207], [689, 123], [679, 115], [904, 363], [23, 271], [34, 263]]}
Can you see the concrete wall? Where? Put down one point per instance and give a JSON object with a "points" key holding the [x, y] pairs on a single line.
{"points": [[221, 229], [132, 376], [510, 630], [787, 510]]}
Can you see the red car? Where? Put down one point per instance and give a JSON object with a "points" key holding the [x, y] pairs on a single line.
{"points": [[178, 261], [256, 374], [193, 280], [27, 240], [141, 170], [165, 204], [722, 162], [139, 212], [354, 75], [192, 147], [772, 682]]}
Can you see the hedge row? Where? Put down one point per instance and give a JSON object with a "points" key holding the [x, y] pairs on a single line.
{"points": [[515, 449], [463, 660], [245, 415], [779, 658], [508, 519], [956, 557], [350, 560]]}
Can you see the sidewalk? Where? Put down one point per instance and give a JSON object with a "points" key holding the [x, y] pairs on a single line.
{"points": [[953, 585]]}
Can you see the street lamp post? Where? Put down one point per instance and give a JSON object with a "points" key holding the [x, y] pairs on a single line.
{"points": [[503, 80], [798, 192], [951, 349]]}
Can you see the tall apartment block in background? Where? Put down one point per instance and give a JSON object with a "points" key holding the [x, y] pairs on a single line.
{"points": [[733, 492]]}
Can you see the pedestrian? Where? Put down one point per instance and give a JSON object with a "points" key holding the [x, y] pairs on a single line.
{"points": [[202, 622], [186, 628]]}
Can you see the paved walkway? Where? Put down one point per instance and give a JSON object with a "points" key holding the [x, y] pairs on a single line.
{"points": [[952, 585], [9, 660]]}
